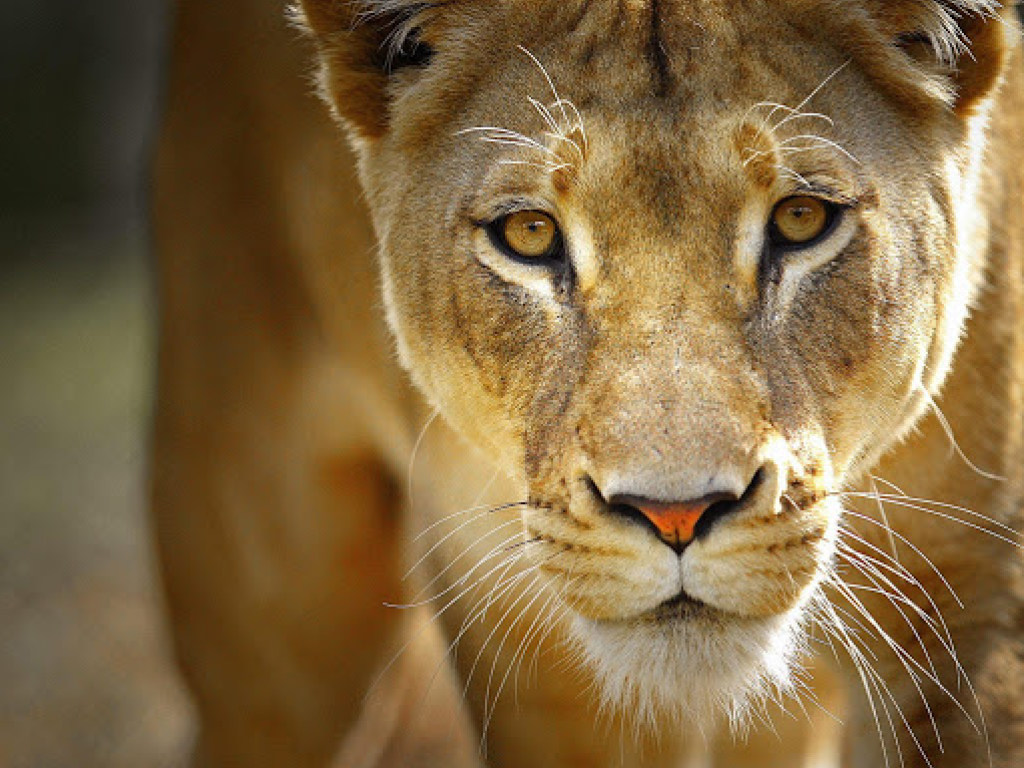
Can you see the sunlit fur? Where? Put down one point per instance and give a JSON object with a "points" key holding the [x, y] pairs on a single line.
{"points": [[674, 362], [693, 671], [677, 353]]}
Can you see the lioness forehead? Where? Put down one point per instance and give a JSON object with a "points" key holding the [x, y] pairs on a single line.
{"points": [[659, 85], [675, 63], [651, 47]]}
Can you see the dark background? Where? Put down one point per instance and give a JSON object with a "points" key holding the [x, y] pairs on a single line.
{"points": [[85, 678]]}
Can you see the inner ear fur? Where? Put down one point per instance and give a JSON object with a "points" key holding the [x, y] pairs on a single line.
{"points": [[966, 41], [360, 44]]}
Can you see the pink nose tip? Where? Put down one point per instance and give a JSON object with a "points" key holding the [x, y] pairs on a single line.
{"points": [[676, 523]]}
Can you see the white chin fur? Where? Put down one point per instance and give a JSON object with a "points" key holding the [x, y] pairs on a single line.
{"points": [[695, 670]]}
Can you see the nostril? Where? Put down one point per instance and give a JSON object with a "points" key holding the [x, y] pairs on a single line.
{"points": [[632, 513], [726, 505], [620, 506], [678, 523], [712, 515]]}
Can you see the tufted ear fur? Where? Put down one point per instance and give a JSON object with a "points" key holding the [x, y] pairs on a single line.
{"points": [[961, 45], [361, 45]]}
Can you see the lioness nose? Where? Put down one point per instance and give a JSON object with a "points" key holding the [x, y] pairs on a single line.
{"points": [[676, 522]]}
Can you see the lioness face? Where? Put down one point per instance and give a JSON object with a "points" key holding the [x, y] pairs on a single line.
{"points": [[680, 296]]}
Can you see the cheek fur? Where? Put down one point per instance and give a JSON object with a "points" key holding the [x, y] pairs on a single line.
{"points": [[853, 342], [513, 340], [763, 566]]}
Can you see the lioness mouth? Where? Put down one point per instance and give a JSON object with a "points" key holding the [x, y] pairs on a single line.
{"points": [[682, 606]]}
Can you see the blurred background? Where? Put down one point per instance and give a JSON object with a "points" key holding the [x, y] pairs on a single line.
{"points": [[85, 676]]}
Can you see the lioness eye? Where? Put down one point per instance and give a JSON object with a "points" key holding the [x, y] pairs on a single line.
{"points": [[801, 220], [530, 235]]}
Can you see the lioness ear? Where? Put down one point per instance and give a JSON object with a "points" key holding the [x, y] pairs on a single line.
{"points": [[966, 41], [361, 45]]}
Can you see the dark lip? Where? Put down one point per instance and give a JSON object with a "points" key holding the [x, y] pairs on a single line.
{"points": [[681, 606]]}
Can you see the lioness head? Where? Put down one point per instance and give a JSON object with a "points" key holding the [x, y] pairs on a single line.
{"points": [[683, 269]]}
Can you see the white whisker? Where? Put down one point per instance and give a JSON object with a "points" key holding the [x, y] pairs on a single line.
{"points": [[440, 542], [545, 114], [536, 627], [508, 563], [788, 142], [902, 654], [791, 174], [415, 453], [497, 656], [546, 167], [468, 510], [795, 115], [912, 546], [897, 599], [838, 630], [554, 91], [885, 518], [418, 602], [901, 502], [954, 444], [807, 99]]}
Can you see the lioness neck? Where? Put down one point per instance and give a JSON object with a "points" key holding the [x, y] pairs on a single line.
{"points": [[963, 462]]}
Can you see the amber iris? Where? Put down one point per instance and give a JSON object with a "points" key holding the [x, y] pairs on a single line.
{"points": [[799, 220], [530, 234]]}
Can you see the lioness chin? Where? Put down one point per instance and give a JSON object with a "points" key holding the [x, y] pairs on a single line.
{"points": [[714, 311]]}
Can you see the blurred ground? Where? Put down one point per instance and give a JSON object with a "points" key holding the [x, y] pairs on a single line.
{"points": [[85, 676], [83, 658]]}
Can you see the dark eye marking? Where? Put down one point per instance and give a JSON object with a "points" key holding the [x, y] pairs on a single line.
{"points": [[411, 51]]}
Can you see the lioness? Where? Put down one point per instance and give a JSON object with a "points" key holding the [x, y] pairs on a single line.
{"points": [[714, 314]]}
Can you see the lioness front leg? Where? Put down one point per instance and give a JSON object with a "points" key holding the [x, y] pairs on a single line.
{"points": [[276, 512], [276, 561]]}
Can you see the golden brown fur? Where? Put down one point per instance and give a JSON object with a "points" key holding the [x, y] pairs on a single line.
{"points": [[297, 477]]}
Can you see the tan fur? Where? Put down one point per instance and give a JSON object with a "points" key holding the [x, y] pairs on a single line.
{"points": [[297, 477]]}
